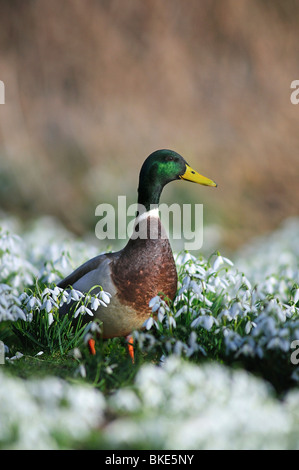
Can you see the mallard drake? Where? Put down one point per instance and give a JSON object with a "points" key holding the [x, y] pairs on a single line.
{"points": [[145, 267]]}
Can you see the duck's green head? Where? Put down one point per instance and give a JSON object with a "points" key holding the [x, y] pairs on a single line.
{"points": [[160, 168]]}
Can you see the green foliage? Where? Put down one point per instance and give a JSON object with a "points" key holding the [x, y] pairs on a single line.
{"points": [[61, 335]]}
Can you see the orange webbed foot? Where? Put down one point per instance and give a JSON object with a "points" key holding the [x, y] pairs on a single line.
{"points": [[91, 346], [130, 341]]}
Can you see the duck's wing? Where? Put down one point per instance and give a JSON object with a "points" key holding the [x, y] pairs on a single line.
{"points": [[86, 268]]}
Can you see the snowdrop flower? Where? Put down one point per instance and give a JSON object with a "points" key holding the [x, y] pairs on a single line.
{"points": [[296, 296], [146, 341], [95, 303], [161, 313], [206, 321], [47, 305], [81, 371], [76, 353], [199, 272], [185, 285], [64, 298], [50, 318], [183, 309], [74, 294], [179, 347], [221, 260], [52, 294], [246, 349], [278, 343], [33, 302], [233, 340], [207, 301], [217, 263], [64, 260], [265, 325], [171, 322], [248, 327], [104, 296], [187, 257], [109, 368], [92, 328], [82, 310], [196, 288], [154, 303], [236, 310], [193, 346], [221, 282], [149, 323]]}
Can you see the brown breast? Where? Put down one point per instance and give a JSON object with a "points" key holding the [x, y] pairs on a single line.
{"points": [[146, 266]]}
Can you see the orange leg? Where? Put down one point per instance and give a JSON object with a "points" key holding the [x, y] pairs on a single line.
{"points": [[91, 343], [129, 338]]}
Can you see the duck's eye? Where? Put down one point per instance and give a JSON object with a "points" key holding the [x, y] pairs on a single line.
{"points": [[169, 158]]}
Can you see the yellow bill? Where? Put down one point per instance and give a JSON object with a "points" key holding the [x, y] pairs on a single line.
{"points": [[192, 175]]}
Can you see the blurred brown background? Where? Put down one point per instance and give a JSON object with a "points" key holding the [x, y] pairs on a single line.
{"points": [[94, 86]]}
